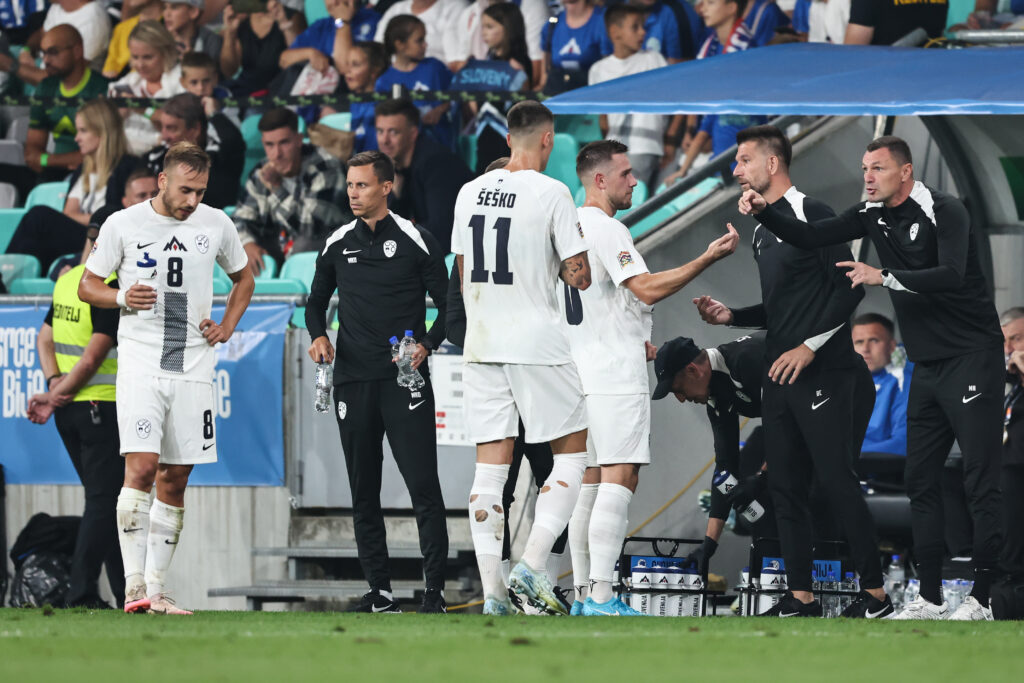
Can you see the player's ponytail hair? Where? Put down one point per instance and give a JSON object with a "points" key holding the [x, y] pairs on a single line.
{"points": [[400, 28]]}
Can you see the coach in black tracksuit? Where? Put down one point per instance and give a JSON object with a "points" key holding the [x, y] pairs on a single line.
{"points": [[951, 331], [818, 393], [382, 266]]}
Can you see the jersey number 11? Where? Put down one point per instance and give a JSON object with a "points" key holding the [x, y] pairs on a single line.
{"points": [[501, 274]]}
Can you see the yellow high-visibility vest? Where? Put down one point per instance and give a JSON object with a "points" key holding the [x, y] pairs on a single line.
{"points": [[72, 329]]}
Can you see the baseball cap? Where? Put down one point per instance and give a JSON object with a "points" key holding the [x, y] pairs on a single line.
{"points": [[100, 216], [672, 357], [193, 3]]}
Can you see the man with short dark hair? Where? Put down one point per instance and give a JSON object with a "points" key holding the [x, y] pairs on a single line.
{"points": [[182, 18], [427, 175], [874, 339], [165, 407], [930, 266], [382, 266], [291, 201]]}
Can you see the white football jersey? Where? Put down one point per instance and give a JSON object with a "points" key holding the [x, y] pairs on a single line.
{"points": [[169, 344], [607, 324], [514, 230]]}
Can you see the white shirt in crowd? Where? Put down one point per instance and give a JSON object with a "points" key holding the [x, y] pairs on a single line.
{"points": [[170, 344], [827, 21], [642, 133], [608, 343], [92, 22], [523, 225], [142, 135], [463, 39], [437, 18], [92, 200]]}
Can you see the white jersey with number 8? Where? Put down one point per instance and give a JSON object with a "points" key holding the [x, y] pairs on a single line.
{"points": [[170, 344], [514, 229]]}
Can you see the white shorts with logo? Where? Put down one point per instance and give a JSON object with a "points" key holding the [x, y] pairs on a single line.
{"points": [[620, 429], [172, 418], [548, 398]]}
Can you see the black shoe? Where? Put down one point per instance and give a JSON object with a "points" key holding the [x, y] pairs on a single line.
{"points": [[517, 602], [867, 606], [563, 598], [433, 602], [374, 602], [791, 607]]}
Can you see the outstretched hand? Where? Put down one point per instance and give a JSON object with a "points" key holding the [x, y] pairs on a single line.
{"points": [[724, 245], [861, 273], [751, 201], [712, 312]]}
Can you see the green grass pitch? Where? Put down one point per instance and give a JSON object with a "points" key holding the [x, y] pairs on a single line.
{"points": [[80, 646]]}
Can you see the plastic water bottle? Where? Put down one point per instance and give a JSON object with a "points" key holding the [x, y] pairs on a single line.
{"points": [[402, 352], [725, 482], [815, 582], [324, 384], [897, 581], [949, 594], [912, 590], [850, 589], [147, 276], [830, 603]]}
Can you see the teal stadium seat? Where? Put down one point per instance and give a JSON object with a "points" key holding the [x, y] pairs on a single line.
{"points": [[341, 120], [269, 268], [9, 219], [314, 9], [229, 210], [221, 282], [685, 200], [52, 195], [279, 286], [449, 262], [583, 127], [32, 285], [562, 163], [16, 266], [301, 267], [56, 262]]}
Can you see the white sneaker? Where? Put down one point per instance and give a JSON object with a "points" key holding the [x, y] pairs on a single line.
{"points": [[971, 610], [920, 608], [164, 604]]}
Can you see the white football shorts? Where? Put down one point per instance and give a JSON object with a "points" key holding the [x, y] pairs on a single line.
{"points": [[169, 417], [620, 429]]}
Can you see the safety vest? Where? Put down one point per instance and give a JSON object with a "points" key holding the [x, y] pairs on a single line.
{"points": [[72, 329]]}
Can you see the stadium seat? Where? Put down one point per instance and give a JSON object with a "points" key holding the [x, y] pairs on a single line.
{"points": [[229, 210], [562, 163], [688, 198], [449, 261], [467, 150], [251, 133], [221, 281], [279, 286], [269, 268], [9, 219], [639, 197], [16, 266], [300, 267], [583, 127], [314, 9], [52, 195], [431, 317], [32, 285], [341, 120], [8, 195], [57, 263]]}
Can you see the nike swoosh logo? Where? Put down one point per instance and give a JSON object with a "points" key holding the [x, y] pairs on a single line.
{"points": [[968, 400], [128, 531], [382, 609], [346, 252], [873, 615], [209, 446], [414, 406], [170, 542], [882, 223], [789, 614], [608, 614], [815, 406], [143, 246]]}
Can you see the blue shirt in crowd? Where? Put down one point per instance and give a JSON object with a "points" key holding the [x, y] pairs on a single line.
{"points": [[887, 430], [481, 75], [430, 74], [762, 20], [320, 34], [663, 35], [577, 48], [363, 126]]}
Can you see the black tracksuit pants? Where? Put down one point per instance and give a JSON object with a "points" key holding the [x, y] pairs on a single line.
{"points": [[89, 432], [366, 411], [541, 461], [958, 398], [814, 429]]}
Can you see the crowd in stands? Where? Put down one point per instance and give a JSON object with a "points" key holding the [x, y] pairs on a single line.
{"points": [[191, 55]]}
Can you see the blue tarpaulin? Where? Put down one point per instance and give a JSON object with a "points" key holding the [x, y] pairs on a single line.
{"points": [[818, 79]]}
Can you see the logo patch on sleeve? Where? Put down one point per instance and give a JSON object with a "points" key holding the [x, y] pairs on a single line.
{"points": [[625, 259], [579, 228]]}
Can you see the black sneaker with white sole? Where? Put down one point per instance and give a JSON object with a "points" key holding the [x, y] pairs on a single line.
{"points": [[791, 607], [374, 602], [563, 597], [867, 606], [433, 602]]}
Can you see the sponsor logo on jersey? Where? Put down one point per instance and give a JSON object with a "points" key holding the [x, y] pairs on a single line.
{"points": [[390, 247], [342, 410], [625, 259], [202, 243], [913, 231], [143, 428], [174, 245], [571, 48]]}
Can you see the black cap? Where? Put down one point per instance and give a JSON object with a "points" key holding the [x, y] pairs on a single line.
{"points": [[673, 356], [100, 215]]}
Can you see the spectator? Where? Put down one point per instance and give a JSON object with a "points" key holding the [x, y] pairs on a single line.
{"points": [[883, 22], [23, 20], [728, 34], [673, 28], [1012, 323], [404, 41], [826, 20], [183, 118], [48, 234], [366, 62], [254, 43], [118, 55], [155, 73], [328, 40], [92, 21], [642, 133], [465, 40], [199, 77], [437, 16], [67, 74], [182, 19], [762, 18], [572, 44], [294, 199], [24, 67], [428, 177], [874, 339]]}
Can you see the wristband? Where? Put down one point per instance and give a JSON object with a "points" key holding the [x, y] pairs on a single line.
{"points": [[44, 159], [338, 23], [53, 377], [121, 299], [149, 112]]}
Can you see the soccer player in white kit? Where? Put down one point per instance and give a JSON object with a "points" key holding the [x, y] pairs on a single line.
{"points": [[165, 361], [609, 331], [515, 234]]}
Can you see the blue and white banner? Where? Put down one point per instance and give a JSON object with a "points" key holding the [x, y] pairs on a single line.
{"points": [[247, 390]]}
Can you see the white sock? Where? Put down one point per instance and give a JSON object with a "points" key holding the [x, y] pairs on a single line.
{"points": [[608, 523], [132, 531], [487, 525], [555, 503], [165, 522], [506, 566], [553, 565], [579, 545]]}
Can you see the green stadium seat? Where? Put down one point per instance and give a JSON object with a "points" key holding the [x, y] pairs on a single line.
{"points": [[221, 282], [685, 200], [583, 127], [449, 262], [562, 163], [32, 285], [279, 286], [269, 268], [16, 266], [341, 120], [467, 150], [9, 219], [314, 9], [300, 267], [229, 210], [52, 195], [431, 318], [251, 133]]}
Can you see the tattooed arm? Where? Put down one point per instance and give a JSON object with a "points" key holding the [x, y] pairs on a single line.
{"points": [[575, 271]]}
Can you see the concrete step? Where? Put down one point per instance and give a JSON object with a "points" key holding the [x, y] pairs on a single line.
{"points": [[300, 591], [337, 531], [345, 551]]}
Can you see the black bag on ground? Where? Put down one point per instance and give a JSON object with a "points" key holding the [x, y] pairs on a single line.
{"points": [[42, 560], [1008, 599]]}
